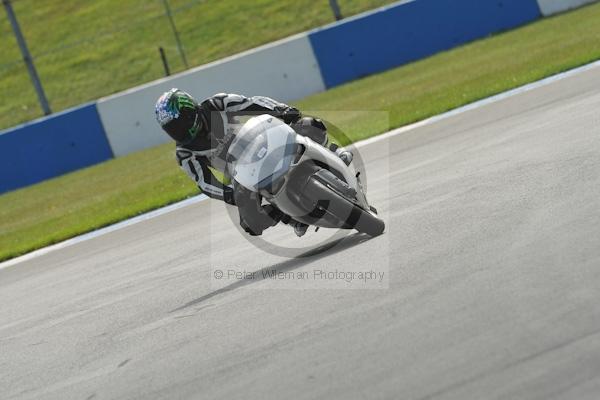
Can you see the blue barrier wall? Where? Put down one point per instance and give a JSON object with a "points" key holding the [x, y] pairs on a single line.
{"points": [[52, 146], [409, 31]]}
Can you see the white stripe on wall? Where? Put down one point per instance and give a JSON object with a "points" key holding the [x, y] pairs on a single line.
{"points": [[549, 7]]}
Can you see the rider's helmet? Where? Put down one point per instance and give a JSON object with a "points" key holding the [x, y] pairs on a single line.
{"points": [[178, 114]]}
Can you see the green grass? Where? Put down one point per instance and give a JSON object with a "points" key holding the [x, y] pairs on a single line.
{"points": [[84, 50], [84, 200]]}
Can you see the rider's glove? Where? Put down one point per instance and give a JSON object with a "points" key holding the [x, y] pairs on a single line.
{"points": [[290, 115], [313, 128]]}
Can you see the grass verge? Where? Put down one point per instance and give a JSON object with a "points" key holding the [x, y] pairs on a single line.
{"points": [[60, 208]]}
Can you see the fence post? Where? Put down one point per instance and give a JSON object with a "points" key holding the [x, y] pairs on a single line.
{"points": [[35, 79], [179, 46], [164, 61], [335, 7]]}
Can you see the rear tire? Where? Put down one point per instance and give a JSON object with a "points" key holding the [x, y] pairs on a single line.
{"points": [[343, 209]]}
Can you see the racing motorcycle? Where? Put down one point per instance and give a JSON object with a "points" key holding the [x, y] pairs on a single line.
{"points": [[300, 177]]}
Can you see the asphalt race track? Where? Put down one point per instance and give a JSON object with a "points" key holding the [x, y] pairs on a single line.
{"points": [[491, 287]]}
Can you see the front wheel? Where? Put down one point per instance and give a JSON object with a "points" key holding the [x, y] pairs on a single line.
{"points": [[336, 205]]}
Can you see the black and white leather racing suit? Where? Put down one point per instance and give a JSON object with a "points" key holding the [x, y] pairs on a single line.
{"points": [[223, 114]]}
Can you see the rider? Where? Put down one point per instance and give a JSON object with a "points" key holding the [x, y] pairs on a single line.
{"points": [[204, 131]]}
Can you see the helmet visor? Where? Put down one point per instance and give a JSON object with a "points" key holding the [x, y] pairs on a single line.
{"points": [[185, 128]]}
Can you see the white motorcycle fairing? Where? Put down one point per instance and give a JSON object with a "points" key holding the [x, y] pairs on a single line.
{"points": [[300, 177]]}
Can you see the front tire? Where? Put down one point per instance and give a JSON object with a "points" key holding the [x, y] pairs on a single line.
{"points": [[351, 215]]}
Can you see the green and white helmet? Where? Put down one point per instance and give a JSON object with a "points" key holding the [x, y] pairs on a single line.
{"points": [[178, 114]]}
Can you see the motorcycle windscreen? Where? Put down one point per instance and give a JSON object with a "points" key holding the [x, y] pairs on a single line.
{"points": [[262, 152]]}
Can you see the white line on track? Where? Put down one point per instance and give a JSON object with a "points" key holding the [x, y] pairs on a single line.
{"points": [[387, 135]]}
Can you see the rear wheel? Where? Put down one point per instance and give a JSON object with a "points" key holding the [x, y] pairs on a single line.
{"points": [[333, 203]]}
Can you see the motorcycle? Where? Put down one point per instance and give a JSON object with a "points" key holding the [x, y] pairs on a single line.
{"points": [[300, 177]]}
